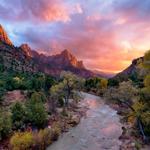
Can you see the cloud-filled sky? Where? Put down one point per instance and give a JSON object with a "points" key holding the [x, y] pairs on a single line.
{"points": [[105, 34]]}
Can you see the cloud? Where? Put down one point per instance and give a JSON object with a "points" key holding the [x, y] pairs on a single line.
{"points": [[106, 35], [39, 10]]}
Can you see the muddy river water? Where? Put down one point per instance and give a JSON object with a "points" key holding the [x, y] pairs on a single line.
{"points": [[98, 130]]}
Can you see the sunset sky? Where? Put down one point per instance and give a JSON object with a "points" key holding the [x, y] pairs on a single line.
{"points": [[105, 34]]}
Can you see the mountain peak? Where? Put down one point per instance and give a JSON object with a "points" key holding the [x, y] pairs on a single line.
{"points": [[66, 52], [26, 48], [69, 59], [4, 37]]}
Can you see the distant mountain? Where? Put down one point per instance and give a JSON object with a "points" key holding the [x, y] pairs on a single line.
{"points": [[24, 59], [131, 70], [55, 64], [103, 74]]}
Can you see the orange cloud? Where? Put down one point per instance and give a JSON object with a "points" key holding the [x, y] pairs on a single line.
{"points": [[106, 35]]}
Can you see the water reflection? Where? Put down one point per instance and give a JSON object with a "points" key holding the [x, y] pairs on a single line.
{"points": [[98, 131], [111, 129]]}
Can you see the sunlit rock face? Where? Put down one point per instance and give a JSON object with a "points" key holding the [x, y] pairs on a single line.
{"points": [[26, 49], [3, 36], [14, 58], [55, 64], [24, 59]]}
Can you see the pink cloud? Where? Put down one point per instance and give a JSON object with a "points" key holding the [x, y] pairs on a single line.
{"points": [[39, 10], [106, 37]]}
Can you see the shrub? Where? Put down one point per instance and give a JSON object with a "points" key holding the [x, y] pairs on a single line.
{"points": [[18, 115], [21, 141], [5, 124], [43, 138], [56, 130], [36, 112]]}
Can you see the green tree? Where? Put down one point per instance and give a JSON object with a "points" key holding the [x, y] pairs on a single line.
{"points": [[56, 94], [38, 97], [124, 94], [67, 88], [70, 84], [5, 124], [147, 81], [18, 115], [113, 82], [146, 63], [49, 82], [36, 112], [38, 82]]}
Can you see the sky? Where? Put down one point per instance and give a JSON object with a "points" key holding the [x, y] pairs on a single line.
{"points": [[106, 34]]}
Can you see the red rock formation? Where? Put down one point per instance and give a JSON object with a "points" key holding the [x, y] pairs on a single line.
{"points": [[54, 64], [24, 59], [26, 49], [3, 36]]}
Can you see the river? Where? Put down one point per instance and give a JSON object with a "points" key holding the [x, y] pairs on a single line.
{"points": [[98, 130]]}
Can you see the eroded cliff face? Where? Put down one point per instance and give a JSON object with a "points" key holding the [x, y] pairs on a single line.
{"points": [[13, 58], [3, 36], [55, 64], [24, 59]]}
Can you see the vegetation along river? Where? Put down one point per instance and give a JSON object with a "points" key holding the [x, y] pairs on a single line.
{"points": [[99, 130]]}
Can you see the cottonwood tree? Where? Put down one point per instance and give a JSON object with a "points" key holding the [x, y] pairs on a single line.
{"points": [[68, 88]]}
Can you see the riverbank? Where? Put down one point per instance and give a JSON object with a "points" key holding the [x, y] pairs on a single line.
{"points": [[58, 123], [99, 129], [130, 138]]}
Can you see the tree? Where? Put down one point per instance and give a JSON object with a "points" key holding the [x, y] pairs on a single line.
{"points": [[138, 108], [103, 83], [38, 82], [146, 63], [70, 83], [49, 82], [38, 97], [124, 94], [56, 95], [36, 112], [18, 115], [147, 81], [5, 124], [113, 82], [67, 88]]}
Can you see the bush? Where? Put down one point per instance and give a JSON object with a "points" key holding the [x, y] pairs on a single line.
{"points": [[2, 92], [36, 112], [22, 141], [43, 138], [147, 81], [5, 125], [113, 82], [38, 97], [56, 131], [18, 115]]}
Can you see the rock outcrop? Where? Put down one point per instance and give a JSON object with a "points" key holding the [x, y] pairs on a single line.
{"points": [[131, 70], [24, 59], [3, 36], [13, 58]]}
